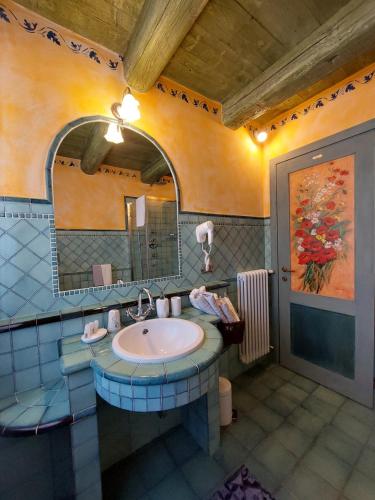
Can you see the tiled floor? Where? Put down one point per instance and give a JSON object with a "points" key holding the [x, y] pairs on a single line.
{"points": [[300, 440]]}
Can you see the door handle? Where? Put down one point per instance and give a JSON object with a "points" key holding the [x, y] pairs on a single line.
{"points": [[286, 270]]}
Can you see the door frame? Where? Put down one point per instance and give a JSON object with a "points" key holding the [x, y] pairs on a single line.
{"points": [[273, 164]]}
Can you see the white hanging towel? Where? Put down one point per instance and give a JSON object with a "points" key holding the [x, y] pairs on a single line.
{"points": [[140, 211], [102, 274]]}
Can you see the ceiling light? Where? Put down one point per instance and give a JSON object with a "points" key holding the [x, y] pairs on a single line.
{"points": [[128, 110], [114, 134], [261, 136]]}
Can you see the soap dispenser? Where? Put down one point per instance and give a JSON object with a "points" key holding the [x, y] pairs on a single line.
{"points": [[162, 306]]}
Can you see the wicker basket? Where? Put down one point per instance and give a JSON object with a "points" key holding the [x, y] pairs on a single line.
{"points": [[232, 333]]}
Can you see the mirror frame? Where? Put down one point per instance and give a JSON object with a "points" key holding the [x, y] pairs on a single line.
{"points": [[49, 189]]}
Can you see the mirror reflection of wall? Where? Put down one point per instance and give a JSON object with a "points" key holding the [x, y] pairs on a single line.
{"points": [[96, 185]]}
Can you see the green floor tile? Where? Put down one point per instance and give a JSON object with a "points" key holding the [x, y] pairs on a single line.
{"points": [[352, 426], [329, 396], [259, 390], [243, 401], [266, 418], [328, 466], [181, 445], [203, 474], [293, 439], [306, 421], [271, 380], [280, 404], [284, 494], [303, 383], [360, 487], [339, 443], [275, 457], [366, 463], [282, 372], [320, 408], [153, 463], [262, 474], [247, 432], [362, 413], [306, 485], [231, 452], [173, 486], [292, 392]]}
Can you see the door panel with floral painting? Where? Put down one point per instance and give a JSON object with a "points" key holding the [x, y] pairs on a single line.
{"points": [[322, 228], [323, 215]]}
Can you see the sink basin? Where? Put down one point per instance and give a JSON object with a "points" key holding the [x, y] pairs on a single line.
{"points": [[157, 340]]}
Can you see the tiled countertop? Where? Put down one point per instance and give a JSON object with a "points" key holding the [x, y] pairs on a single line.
{"points": [[77, 356], [35, 411]]}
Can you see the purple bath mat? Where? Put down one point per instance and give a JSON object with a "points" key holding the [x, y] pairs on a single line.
{"points": [[242, 486]]}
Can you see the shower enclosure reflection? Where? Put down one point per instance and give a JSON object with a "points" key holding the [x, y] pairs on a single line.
{"points": [[115, 209]]}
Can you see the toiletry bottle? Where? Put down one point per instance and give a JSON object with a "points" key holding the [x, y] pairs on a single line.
{"points": [[162, 306], [176, 306]]}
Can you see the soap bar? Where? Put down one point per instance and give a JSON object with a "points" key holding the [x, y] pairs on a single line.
{"points": [[162, 308]]}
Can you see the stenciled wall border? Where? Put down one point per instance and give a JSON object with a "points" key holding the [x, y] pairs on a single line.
{"points": [[57, 39], [318, 103]]}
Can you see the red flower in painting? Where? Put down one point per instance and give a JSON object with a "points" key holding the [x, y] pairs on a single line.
{"points": [[332, 178], [321, 229], [307, 242], [304, 258], [329, 221], [304, 202], [326, 255], [299, 211], [307, 224], [339, 183], [316, 245], [336, 170], [331, 205], [300, 233], [344, 172], [332, 234]]}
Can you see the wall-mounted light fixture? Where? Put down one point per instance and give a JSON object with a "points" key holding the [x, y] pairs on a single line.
{"points": [[125, 112], [114, 133], [261, 135]]}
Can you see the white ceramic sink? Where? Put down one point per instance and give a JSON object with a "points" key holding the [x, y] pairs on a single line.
{"points": [[157, 340]]}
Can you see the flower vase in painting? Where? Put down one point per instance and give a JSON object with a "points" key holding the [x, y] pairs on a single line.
{"points": [[322, 220]]}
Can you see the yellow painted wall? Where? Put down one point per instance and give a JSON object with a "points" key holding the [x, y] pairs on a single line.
{"points": [[44, 86], [347, 110], [84, 201]]}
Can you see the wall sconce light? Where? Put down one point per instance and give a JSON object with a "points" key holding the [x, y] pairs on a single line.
{"points": [[128, 110], [114, 134], [125, 112], [261, 136]]}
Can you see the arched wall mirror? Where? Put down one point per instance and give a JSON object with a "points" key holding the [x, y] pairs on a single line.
{"points": [[116, 209]]}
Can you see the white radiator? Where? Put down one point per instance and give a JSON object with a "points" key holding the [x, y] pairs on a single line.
{"points": [[252, 289]]}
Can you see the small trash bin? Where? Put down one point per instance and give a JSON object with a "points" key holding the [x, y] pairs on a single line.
{"points": [[225, 397]]}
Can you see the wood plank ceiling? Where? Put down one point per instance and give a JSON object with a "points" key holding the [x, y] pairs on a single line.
{"points": [[232, 43]]}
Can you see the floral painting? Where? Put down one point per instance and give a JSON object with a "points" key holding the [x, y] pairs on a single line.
{"points": [[322, 229]]}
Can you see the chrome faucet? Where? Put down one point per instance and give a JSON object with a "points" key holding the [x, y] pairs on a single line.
{"points": [[141, 313]]}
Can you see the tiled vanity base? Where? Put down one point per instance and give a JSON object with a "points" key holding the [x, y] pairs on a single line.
{"points": [[159, 397]]}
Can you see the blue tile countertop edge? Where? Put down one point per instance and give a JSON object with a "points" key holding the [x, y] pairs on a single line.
{"points": [[77, 356]]}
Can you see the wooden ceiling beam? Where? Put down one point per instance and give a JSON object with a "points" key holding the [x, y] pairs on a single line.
{"points": [[343, 37], [97, 148], [154, 172], [159, 31]]}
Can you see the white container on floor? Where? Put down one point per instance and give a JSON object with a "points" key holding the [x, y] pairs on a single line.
{"points": [[225, 401]]}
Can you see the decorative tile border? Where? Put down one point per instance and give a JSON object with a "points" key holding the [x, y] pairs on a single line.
{"points": [[57, 39], [184, 96], [319, 103]]}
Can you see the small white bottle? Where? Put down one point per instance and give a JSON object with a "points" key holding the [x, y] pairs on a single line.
{"points": [[162, 307], [176, 306]]}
